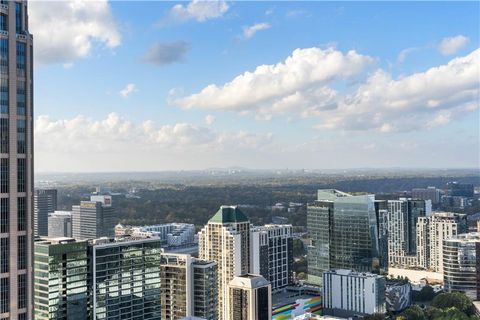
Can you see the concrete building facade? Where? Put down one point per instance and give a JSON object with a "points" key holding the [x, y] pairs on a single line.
{"points": [[225, 239], [249, 297], [44, 203], [16, 162]]}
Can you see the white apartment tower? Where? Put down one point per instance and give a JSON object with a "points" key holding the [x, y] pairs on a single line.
{"points": [[225, 239], [16, 162], [431, 231]]}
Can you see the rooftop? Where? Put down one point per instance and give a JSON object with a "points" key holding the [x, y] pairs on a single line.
{"points": [[229, 214]]}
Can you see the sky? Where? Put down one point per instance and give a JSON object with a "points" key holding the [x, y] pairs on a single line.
{"points": [[154, 86]]}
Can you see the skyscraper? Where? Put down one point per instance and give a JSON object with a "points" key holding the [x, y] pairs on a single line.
{"points": [[344, 233], [225, 239], [431, 231], [93, 219], [249, 297], [61, 279], [44, 202], [403, 215], [60, 224], [188, 287], [16, 161], [461, 264], [272, 254]]}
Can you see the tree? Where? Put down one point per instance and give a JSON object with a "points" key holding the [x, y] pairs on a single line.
{"points": [[426, 294], [454, 299], [452, 314], [412, 313]]}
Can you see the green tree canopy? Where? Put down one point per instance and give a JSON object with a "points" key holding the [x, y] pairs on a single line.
{"points": [[454, 299]]}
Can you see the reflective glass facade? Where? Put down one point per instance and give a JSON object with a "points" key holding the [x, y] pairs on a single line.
{"points": [[344, 233], [126, 280], [61, 280]]}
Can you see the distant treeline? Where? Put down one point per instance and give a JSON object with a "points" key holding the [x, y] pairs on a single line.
{"points": [[196, 204]]}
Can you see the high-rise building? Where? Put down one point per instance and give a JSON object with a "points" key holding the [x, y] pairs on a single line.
{"points": [[272, 254], [16, 162], [249, 297], [403, 215], [125, 279], [97, 279], [456, 189], [225, 239], [44, 202], [61, 279], [431, 231], [429, 193], [93, 219], [347, 293], [461, 264], [344, 232], [188, 287], [60, 224]]}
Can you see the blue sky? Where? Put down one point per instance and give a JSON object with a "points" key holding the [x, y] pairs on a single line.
{"points": [[121, 86]]}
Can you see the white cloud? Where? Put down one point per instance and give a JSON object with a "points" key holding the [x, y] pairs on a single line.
{"points": [[161, 54], [275, 85], [209, 119], [67, 30], [317, 83], [128, 90], [435, 96], [402, 56], [451, 45], [81, 143], [199, 10], [250, 31]]}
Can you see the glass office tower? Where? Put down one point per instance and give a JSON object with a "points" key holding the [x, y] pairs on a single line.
{"points": [[344, 233]]}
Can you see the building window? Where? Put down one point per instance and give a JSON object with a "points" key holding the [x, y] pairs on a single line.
{"points": [[21, 175], [4, 177], [3, 22], [22, 291], [21, 136], [4, 131], [4, 95], [21, 98], [21, 48], [22, 252], [4, 215], [4, 255], [18, 17], [22, 214], [3, 56], [4, 295]]}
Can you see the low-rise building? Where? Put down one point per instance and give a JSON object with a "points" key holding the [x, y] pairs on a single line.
{"points": [[347, 293]]}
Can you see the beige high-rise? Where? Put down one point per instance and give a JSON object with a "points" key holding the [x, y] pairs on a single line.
{"points": [[16, 162], [226, 240]]}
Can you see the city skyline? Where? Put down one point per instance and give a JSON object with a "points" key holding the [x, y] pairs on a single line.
{"points": [[164, 85]]}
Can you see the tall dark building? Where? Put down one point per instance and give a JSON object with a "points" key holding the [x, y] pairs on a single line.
{"points": [[16, 162], [455, 189], [249, 297], [44, 202]]}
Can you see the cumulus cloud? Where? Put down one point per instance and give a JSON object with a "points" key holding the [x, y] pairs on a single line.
{"points": [[77, 138], [161, 54], [318, 83], [128, 90], [275, 85], [451, 45], [250, 31], [199, 10], [68, 30], [402, 56], [209, 119]]}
